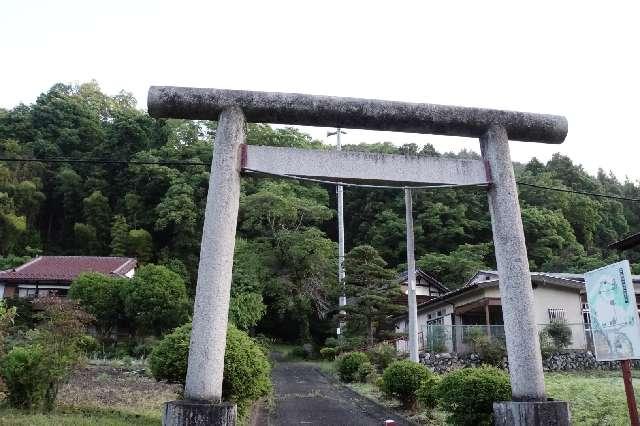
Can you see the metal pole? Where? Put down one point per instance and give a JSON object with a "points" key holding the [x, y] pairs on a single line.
{"points": [[342, 301], [411, 279], [628, 390]]}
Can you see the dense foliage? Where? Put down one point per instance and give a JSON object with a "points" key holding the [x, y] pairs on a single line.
{"points": [[152, 302], [381, 355], [402, 379], [468, 394], [284, 273], [247, 372], [348, 365], [373, 291], [35, 368]]}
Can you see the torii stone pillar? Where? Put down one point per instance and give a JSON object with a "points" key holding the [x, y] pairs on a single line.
{"points": [[203, 387], [494, 127]]}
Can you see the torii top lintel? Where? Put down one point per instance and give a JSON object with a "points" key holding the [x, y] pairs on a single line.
{"points": [[370, 114]]}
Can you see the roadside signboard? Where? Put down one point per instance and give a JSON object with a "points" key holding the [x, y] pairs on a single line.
{"points": [[615, 324], [614, 315]]}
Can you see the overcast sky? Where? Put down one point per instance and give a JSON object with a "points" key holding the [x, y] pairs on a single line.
{"points": [[578, 59]]}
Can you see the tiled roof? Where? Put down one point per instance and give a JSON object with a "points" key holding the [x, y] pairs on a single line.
{"points": [[420, 298], [66, 268]]}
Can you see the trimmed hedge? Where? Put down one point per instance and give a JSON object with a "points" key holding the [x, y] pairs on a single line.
{"points": [[382, 355], [247, 372], [349, 364], [402, 379], [468, 394], [328, 353]]}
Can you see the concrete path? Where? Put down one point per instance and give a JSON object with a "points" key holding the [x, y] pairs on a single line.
{"points": [[304, 396]]}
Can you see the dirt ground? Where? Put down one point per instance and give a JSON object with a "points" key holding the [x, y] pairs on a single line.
{"points": [[115, 387]]}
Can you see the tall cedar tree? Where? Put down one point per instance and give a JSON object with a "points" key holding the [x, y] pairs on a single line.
{"points": [[119, 236], [372, 291]]}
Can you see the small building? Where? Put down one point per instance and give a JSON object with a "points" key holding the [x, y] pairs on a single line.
{"points": [[427, 287], [46, 275], [477, 306]]}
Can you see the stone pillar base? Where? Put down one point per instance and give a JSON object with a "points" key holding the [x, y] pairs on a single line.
{"points": [[534, 413], [198, 413]]}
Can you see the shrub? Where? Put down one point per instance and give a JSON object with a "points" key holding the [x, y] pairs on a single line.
{"points": [[101, 295], [7, 316], [247, 372], [87, 344], [344, 344], [331, 342], [348, 365], [155, 299], [168, 360], [328, 353], [366, 372], [468, 394], [381, 355], [27, 380], [427, 393], [379, 382], [34, 372], [402, 379], [560, 334], [297, 352], [492, 351], [246, 368], [546, 347]]}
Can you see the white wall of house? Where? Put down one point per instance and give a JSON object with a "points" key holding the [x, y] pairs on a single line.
{"points": [[1, 291], [566, 303], [553, 297], [131, 273]]}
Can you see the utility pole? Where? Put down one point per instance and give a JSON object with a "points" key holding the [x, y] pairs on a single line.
{"points": [[411, 279], [342, 301]]}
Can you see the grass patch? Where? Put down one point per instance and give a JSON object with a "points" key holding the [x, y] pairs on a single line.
{"points": [[595, 398], [68, 416], [327, 367]]}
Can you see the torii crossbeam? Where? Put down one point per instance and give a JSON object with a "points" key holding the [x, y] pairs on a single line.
{"points": [[233, 108]]}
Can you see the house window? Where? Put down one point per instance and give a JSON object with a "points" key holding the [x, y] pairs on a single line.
{"points": [[429, 316], [437, 321], [586, 314], [557, 315], [439, 313], [27, 292]]}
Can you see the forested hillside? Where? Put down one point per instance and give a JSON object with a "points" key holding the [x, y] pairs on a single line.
{"points": [[286, 252]]}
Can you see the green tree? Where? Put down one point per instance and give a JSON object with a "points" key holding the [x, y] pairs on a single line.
{"points": [[140, 245], [86, 239], [97, 214], [155, 300], [119, 236], [101, 296], [455, 268], [372, 289]]}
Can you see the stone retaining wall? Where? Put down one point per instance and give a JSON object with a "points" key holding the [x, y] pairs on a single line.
{"points": [[565, 361]]}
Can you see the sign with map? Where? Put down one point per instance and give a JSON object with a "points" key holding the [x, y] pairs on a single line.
{"points": [[614, 315]]}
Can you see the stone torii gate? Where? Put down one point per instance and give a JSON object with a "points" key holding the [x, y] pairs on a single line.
{"points": [[494, 128]]}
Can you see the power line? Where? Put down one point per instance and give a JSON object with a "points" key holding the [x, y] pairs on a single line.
{"points": [[103, 161], [573, 191], [301, 178]]}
